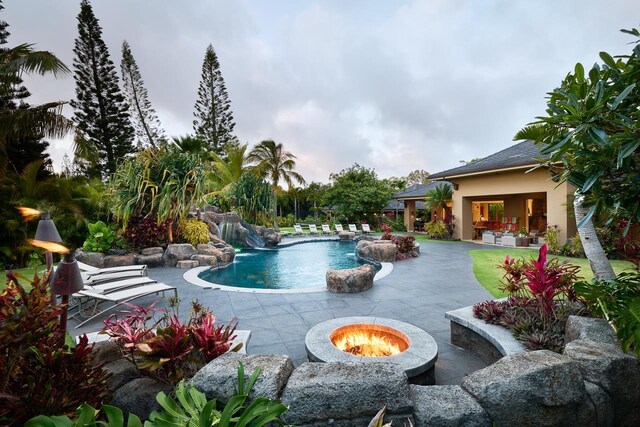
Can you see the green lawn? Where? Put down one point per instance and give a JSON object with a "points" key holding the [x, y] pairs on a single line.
{"points": [[27, 272], [485, 262]]}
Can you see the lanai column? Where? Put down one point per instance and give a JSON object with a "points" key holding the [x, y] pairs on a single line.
{"points": [[409, 214]]}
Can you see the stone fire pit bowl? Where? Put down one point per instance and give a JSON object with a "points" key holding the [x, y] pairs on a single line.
{"points": [[418, 360]]}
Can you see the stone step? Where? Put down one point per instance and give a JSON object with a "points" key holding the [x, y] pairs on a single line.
{"points": [[187, 263]]}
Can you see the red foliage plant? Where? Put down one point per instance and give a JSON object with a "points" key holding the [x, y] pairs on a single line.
{"points": [[540, 292], [386, 230], [144, 232], [166, 348], [40, 372]]}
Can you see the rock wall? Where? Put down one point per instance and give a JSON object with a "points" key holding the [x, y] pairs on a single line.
{"points": [[593, 383], [209, 254]]}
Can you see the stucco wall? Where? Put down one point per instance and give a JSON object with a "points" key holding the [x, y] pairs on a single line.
{"points": [[514, 187]]}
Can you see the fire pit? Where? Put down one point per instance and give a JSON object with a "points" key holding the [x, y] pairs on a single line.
{"points": [[375, 339]]}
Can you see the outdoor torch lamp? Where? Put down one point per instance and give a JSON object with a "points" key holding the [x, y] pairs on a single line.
{"points": [[47, 233], [66, 281]]}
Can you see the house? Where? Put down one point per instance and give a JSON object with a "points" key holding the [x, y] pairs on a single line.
{"points": [[413, 199], [501, 192]]}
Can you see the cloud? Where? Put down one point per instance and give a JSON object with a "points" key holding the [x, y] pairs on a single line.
{"points": [[396, 86]]}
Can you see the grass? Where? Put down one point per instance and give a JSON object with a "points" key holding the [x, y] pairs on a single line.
{"points": [[27, 272], [485, 262]]}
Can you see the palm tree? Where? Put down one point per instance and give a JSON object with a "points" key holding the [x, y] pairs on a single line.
{"points": [[439, 197], [229, 170], [45, 119], [272, 162]]}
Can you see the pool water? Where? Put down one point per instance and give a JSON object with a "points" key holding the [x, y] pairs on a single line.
{"points": [[300, 266]]}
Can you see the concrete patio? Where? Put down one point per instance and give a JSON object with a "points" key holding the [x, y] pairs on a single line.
{"points": [[418, 291]]}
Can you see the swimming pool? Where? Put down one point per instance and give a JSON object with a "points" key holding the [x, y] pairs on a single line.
{"points": [[301, 266]]}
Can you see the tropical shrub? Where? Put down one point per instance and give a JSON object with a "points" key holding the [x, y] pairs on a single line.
{"points": [[437, 230], [163, 183], [86, 416], [145, 232], [397, 225], [386, 232], [165, 348], [552, 239], [101, 238], [618, 301], [252, 196], [193, 409], [575, 247], [194, 231], [405, 244], [541, 299], [42, 371]]}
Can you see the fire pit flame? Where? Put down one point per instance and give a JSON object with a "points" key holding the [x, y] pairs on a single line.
{"points": [[369, 341]]}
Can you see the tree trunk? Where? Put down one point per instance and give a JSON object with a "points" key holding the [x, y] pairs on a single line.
{"points": [[600, 265], [275, 211]]}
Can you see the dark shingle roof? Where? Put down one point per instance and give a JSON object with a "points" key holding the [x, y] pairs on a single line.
{"points": [[395, 204], [522, 154], [419, 190]]}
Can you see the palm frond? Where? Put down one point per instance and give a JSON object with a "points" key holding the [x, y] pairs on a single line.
{"points": [[45, 119], [534, 132]]}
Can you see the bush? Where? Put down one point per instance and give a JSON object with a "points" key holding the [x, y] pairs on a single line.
{"points": [[192, 408], [541, 297], [167, 349], [397, 225], [145, 232], [575, 247], [552, 239], [86, 416], [101, 238], [194, 231], [405, 244], [41, 370], [437, 230], [618, 301]]}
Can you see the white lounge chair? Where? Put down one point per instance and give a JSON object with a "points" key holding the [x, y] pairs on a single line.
{"points": [[118, 285], [366, 229], [338, 228], [94, 275], [313, 230], [299, 231], [354, 229], [327, 230], [116, 298]]}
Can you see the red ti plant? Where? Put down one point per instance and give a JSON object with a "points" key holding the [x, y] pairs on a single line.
{"points": [[212, 340], [168, 349], [542, 281], [167, 352]]}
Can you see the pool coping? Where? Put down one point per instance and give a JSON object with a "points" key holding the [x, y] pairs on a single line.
{"points": [[191, 276]]}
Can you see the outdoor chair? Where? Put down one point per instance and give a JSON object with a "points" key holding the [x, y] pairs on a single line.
{"points": [[313, 230], [297, 230], [93, 274], [338, 228], [327, 230], [366, 229], [354, 229], [87, 297]]}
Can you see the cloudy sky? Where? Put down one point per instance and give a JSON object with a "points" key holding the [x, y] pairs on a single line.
{"points": [[392, 85]]}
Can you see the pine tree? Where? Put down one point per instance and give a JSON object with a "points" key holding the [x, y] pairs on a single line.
{"points": [[19, 151], [145, 122], [214, 120], [101, 112]]}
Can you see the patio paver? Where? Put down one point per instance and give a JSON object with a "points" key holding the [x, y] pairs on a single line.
{"points": [[418, 291]]}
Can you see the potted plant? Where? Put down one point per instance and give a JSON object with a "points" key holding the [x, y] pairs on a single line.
{"points": [[523, 232]]}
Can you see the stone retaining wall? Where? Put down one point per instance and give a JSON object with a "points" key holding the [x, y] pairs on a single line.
{"points": [[593, 383], [210, 254]]}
